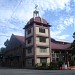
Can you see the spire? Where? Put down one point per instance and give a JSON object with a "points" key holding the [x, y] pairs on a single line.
{"points": [[36, 12]]}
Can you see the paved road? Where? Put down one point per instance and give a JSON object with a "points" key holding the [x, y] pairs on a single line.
{"points": [[35, 72]]}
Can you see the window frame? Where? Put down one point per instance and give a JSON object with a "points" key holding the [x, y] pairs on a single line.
{"points": [[28, 40], [42, 39], [29, 50], [43, 50], [41, 30], [29, 31], [43, 60]]}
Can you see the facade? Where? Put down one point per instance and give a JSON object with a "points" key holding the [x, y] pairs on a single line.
{"points": [[61, 51], [37, 41], [36, 47], [14, 51]]}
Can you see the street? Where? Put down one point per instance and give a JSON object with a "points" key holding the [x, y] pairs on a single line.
{"points": [[35, 72]]}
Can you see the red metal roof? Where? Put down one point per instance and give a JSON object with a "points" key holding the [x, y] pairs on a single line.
{"points": [[38, 19], [60, 46], [20, 38], [54, 45]]}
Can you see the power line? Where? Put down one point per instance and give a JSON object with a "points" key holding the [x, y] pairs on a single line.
{"points": [[13, 13], [11, 28], [5, 35]]}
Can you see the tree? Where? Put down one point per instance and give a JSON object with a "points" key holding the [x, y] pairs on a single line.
{"points": [[3, 50], [73, 44], [6, 42]]}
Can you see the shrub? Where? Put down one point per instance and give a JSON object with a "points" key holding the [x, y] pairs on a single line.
{"points": [[72, 63], [53, 66], [41, 66], [60, 63]]}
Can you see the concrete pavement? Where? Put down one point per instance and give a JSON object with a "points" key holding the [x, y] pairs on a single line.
{"points": [[35, 72]]}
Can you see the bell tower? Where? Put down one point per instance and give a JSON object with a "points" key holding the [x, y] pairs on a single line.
{"points": [[37, 40]]}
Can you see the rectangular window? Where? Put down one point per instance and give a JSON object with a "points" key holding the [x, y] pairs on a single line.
{"points": [[53, 59], [43, 60], [29, 41], [42, 39], [57, 59], [53, 55], [29, 50], [29, 31], [74, 58], [43, 50], [41, 30], [29, 61]]}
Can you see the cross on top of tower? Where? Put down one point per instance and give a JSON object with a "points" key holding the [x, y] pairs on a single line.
{"points": [[36, 7], [36, 12]]}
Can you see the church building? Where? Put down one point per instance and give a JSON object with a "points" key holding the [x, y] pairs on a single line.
{"points": [[36, 46]]}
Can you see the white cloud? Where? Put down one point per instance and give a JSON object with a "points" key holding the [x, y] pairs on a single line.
{"points": [[62, 24], [69, 21], [26, 10], [11, 10], [55, 33], [52, 4], [58, 36], [66, 21], [3, 39], [62, 37]]}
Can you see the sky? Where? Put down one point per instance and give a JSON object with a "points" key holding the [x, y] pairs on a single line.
{"points": [[14, 14]]}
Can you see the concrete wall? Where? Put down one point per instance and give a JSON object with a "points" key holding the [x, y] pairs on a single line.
{"points": [[42, 43], [29, 54], [38, 60], [29, 62], [39, 53], [28, 35], [29, 43], [44, 34]]}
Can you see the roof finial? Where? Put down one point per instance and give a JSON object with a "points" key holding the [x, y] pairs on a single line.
{"points": [[36, 13], [36, 7]]}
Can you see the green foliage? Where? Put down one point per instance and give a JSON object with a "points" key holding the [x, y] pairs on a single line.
{"points": [[72, 63], [49, 66], [53, 66], [3, 50], [73, 47], [60, 63], [41, 66]]}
